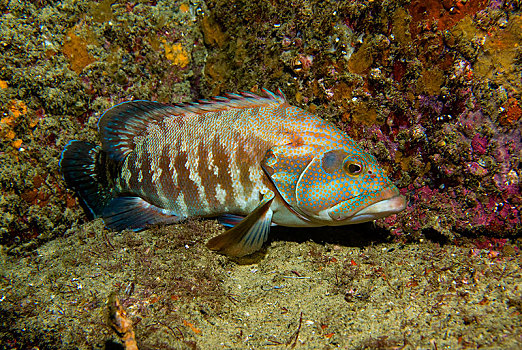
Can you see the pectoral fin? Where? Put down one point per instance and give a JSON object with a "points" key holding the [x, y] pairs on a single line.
{"points": [[249, 235]]}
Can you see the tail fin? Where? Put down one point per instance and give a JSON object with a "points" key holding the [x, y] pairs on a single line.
{"points": [[85, 171]]}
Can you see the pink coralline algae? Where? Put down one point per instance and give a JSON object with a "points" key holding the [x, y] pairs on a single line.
{"points": [[475, 185], [476, 169], [479, 144], [470, 182]]}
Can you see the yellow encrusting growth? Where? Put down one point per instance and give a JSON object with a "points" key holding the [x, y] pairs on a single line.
{"points": [[184, 8], [75, 49], [176, 53], [16, 109]]}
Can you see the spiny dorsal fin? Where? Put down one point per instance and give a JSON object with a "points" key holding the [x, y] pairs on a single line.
{"points": [[244, 99]]}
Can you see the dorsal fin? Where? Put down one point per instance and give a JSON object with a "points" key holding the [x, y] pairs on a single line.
{"points": [[244, 99], [119, 125]]}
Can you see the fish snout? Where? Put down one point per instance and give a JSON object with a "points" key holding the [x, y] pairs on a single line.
{"points": [[364, 208]]}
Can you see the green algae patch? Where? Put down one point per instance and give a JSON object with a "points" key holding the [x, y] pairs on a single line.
{"points": [[102, 11], [430, 81], [361, 61], [365, 114], [212, 33], [75, 49], [501, 49], [401, 30]]}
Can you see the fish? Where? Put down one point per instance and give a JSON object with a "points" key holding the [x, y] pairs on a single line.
{"points": [[250, 160]]}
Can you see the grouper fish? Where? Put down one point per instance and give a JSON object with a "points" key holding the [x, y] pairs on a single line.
{"points": [[249, 160]]}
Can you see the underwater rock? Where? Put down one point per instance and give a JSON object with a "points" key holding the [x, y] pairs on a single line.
{"points": [[431, 88]]}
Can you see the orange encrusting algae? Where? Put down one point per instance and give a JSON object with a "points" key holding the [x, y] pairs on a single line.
{"points": [[16, 109], [176, 54], [75, 49], [192, 327], [184, 7]]}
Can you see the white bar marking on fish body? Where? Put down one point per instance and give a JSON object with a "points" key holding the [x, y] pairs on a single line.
{"points": [[192, 166], [180, 202], [221, 194]]}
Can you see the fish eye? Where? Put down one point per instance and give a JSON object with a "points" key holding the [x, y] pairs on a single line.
{"points": [[353, 168]]}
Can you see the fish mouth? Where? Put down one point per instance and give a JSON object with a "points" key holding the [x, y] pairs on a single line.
{"points": [[389, 202]]}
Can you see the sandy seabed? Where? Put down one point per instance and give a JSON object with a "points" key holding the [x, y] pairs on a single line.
{"points": [[360, 292]]}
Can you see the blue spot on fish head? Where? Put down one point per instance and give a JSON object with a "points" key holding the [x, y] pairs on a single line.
{"points": [[343, 185]]}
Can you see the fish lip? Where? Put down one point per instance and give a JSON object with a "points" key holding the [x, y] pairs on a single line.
{"points": [[389, 202]]}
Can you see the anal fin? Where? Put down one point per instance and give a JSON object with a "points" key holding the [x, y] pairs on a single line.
{"points": [[248, 235], [135, 213]]}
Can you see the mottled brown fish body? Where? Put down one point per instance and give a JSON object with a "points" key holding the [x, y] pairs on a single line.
{"points": [[202, 164]]}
